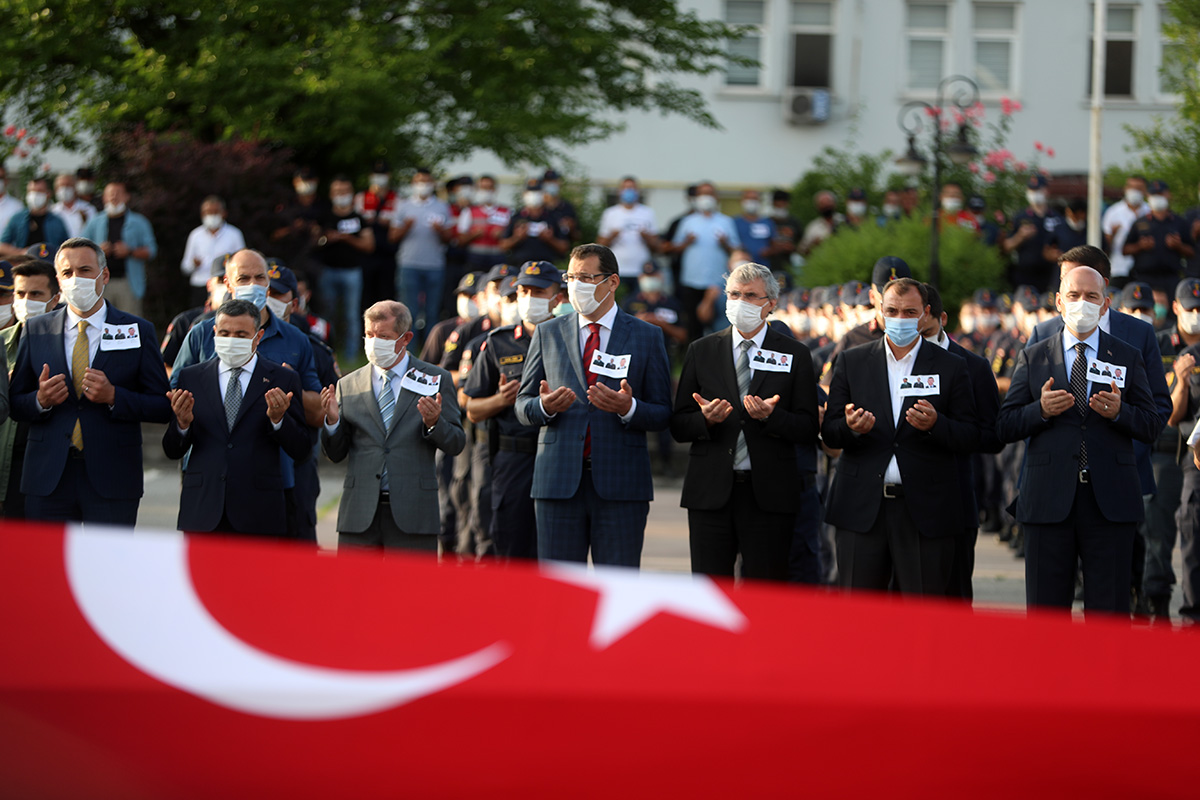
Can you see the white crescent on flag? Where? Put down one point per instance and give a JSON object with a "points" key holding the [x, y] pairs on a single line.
{"points": [[136, 592]]}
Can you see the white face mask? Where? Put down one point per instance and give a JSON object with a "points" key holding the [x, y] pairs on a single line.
{"points": [[750, 206], [6, 314], [820, 325], [85, 187], [233, 351], [1158, 202], [343, 200], [952, 205], [801, 323], [485, 197], [379, 181], [306, 188], [1081, 316], [583, 297], [1133, 197], [25, 308], [1075, 224], [212, 221], [967, 323], [706, 203], [744, 315], [890, 210], [856, 208], [36, 200], [510, 313], [114, 209], [81, 293], [534, 309], [1144, 316], [423, 189], [1035, 199], [989, 321], [1189, 322], [466, 307], [64, 194], [381, 352], [532, 199], [553, 189], [779, 212], [278, 307], [218, 295]]}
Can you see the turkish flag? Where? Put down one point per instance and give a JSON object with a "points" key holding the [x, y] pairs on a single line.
{"points": [[159, 665]]}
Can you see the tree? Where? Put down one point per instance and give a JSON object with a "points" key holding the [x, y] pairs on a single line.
{"points": [[341, 84]]}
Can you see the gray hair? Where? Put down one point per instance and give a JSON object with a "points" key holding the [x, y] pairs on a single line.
{"points": [[390, 310], [240, 308], [750, 272], [77, 242]]}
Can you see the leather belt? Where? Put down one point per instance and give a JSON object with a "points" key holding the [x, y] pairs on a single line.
{"points": [[587, 463], [518, 444], [893, 491], [1085, 476], [741, 476], [385, 497], [75, 454]]}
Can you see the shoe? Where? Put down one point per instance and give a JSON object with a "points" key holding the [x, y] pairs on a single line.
{"points": [[1006, 533], [1159, 606]]}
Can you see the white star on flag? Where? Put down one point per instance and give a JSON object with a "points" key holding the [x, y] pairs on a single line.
{"points": [[628, 598]]}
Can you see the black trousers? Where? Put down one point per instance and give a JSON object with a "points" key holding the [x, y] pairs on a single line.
{"points": [[74, 499], [764, 538], [514, 518], [894, 548], [964, 565], [1106, 549], [383, 534]]}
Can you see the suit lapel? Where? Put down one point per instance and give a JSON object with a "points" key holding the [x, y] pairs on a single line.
{"points": [[882, 406], [361, 390], [726, 368], [58, 354], [210, 377], [255, 389], [570, 331], [1058, 367], [405, 400]]}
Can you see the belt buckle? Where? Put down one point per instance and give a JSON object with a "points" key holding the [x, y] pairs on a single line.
{"points": [[1085, 476], [887, 493]]}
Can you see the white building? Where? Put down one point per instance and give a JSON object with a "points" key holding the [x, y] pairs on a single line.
{"points": [[873, 57]]}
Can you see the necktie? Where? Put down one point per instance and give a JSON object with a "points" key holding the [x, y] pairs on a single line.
{"points": [[1079, 382], [589, 350], [79, 365], [233, 396], [743, 379], [387, 405]]}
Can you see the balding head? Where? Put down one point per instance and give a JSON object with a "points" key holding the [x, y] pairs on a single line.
{"points": [[1081, 284], [245, 268]]}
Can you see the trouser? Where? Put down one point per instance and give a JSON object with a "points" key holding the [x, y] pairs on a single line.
{"points": [[1187, 517], [341, 295], [475, 542], [460, 494], [613, 530], [514, 521], [894, 552], [421, 290], [1159, 528], [443, 468], [690, 298], [304, 497], [763, 538], [961, 584], [804, 559], [75, 499], [1053, 552], [383, 534]]}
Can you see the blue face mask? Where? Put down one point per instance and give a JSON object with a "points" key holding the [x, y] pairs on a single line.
{"points": [[902, 332], [254, 293], [629, 196]]}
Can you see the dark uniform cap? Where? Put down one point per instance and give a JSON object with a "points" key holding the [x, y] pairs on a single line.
{"points": [[305, 174], [497, 272], [1138, 297], [508, 286], [6, 276], [889, 268], [816, 297], [650, 268], [849, 292], [551, 175], [1114, 294], [986, 298], [864, 298], [976, 203], [538, 274], [1026, 297], [856, 194], [217, 269], [40, 250], [469, 283], [380, 167], [1158, 187], [1046, 301], [800, 298], [533, 185], [1188, 293], [1037, 181], [282, 279]]}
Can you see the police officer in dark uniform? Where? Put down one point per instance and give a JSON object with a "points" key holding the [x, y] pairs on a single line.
{"points": [[1159, 242], [1184, 379], [1007, 343], [1030, 233], [886, 269], [491, 392], [989, 231], [1071, 233], [465, 309]]}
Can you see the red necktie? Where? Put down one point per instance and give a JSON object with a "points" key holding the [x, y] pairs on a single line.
{"points": [[589, 350]]}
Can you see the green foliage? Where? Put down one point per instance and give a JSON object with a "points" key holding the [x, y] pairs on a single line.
{"points": [[840, 171], [966, 263], [343, 84]]}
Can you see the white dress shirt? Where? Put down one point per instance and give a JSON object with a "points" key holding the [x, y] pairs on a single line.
{"points": [[755, 344], [378, 376], [1092, 340], [74, 216], [224, 371], [1118, 219], [606, 323], [897, 369], [206, 245], [95, 330]]}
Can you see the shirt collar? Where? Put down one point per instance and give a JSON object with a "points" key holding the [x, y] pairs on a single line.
{"points": [[943, 341], [909, 357], [399, 368], [605, 322], [757, 338], [1092, 340], [95, 320], [246, 368], [1106, 321]]}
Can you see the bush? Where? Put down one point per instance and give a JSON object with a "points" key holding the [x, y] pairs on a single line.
{"points": [[966, 263]]}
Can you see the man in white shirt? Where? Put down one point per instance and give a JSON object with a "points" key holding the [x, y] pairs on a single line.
{"points": [[70, 209], [1118, 221], [9, 205], [628, 230], [213, 237]]}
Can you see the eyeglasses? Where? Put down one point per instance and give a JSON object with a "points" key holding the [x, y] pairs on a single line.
{"points": [[585, 277], [750, 297]]}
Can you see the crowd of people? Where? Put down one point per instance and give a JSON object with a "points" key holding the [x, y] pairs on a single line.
{"points": [[511, 409]]}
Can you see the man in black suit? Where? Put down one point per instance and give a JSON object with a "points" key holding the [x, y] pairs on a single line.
{"points": [[1080, 497], [744, 424], [235, 412], [987, 406], [895, 500]]}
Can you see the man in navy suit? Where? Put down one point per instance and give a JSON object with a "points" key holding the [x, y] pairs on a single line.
{"points": [[86, 397], [591, 478], [235, 412], [1079, 498]]}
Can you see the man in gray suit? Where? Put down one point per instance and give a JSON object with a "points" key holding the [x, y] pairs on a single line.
{"points": [[390, 417]]}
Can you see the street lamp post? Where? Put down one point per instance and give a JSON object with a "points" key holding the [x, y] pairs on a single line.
{"points": [[960, 151]]}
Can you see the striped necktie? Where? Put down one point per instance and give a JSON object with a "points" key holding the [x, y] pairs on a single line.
{"points": [[741, 451], [79, 365], [1079, 382], [233, 396], [387, 408]]}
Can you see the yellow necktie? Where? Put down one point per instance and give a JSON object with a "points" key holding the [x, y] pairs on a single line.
{"points": [[79, 365]]}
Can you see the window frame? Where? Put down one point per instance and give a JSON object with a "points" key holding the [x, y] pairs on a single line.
{"points": [[1117, 36], [763, 85], [944, 35], [795, 28], [1012, 37]]}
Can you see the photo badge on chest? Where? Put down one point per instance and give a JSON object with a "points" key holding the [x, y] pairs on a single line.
{"points": [[1105, 373], [771, 361], [419, 382], [919, 385], [610, 366], [120, 337]]}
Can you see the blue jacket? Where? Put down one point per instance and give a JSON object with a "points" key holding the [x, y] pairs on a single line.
{"points": [[112, 438], [16, 232], [1139, 335], [620, 460], [136, 233]]}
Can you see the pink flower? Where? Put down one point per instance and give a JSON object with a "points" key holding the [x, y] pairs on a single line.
{"points": [[1050, 152], [1006, 106], [1016, 106], [22, 153], [1020, 166], [21, 133], [10, 130], [32, 140], [975, 110], [933, 111], [989, 177], [973, 167], [959, 119], [1037, 146]]}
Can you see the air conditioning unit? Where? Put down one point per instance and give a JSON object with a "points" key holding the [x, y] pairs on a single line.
{"points": [[804, 106]]}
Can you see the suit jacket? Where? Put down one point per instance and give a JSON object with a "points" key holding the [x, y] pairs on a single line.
{"points": [[1140, 335], [236, 472], [112, 438], [709, 370], [620, 460], [1050, 474], [405, 449], [987, 407], [928, 460]]}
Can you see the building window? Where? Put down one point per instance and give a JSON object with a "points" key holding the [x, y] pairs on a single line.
{"points": [[1120, 34], [748, 13], [928, 29], [1174, 70], [812, 44], [995, 34]]}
